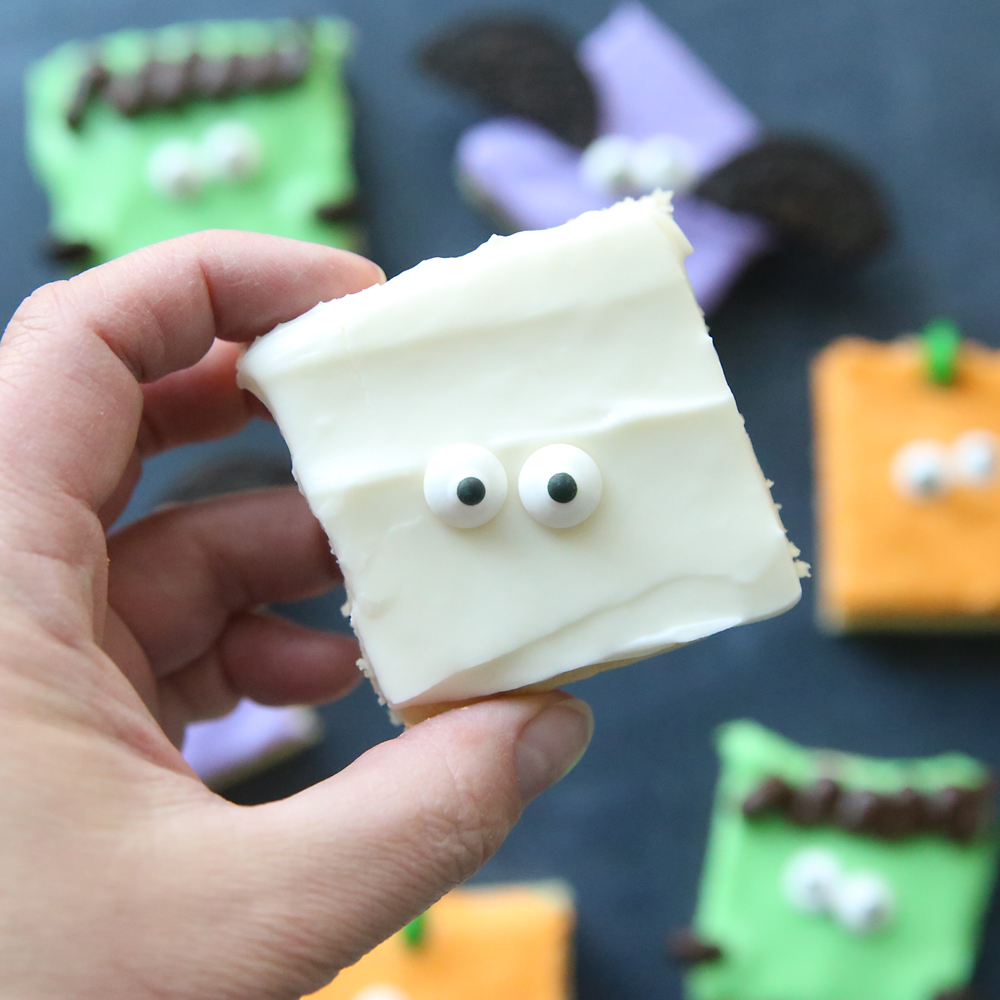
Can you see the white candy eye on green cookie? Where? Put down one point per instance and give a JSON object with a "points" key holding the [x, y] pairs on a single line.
{"points": [[815, 881]]}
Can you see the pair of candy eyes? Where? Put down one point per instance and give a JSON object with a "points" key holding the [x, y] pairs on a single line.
{"points": [[465, 485], [815, 882], [619, 165], [927, 469], [228, 151]]}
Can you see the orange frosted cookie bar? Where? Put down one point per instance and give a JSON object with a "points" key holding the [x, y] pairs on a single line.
{"points": [[908, 500], [497, 943]]}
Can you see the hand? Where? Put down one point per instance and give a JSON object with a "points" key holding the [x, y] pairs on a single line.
{"points": [[121, 875]]}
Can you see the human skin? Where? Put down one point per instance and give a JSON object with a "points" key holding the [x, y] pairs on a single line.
{"points": [[121, 875]]}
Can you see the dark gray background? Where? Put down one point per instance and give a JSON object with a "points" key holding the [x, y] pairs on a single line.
{"points": [[910, 86]]}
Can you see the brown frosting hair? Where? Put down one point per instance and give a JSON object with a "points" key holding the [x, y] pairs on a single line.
{"points": [[157, 84], [960, 814]]}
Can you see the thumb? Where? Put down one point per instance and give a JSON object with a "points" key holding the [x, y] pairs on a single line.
{"points": [[341, 866]]}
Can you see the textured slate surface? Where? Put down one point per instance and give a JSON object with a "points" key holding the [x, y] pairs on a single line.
{"points": [[913, 88]]}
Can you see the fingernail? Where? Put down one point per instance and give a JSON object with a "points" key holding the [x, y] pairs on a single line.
{"points": [[550, 746]]}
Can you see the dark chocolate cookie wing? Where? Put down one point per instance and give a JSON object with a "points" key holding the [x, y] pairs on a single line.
{"points": [[519, 66], [810, 194]]}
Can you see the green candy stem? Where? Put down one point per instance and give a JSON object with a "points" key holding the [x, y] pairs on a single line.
{"points": [[941, 341], [415, 932]]}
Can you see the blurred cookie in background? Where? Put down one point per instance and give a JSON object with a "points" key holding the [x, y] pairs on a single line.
{"points": [[497, 942], [908, 483], [831, 876], [140, 136]]}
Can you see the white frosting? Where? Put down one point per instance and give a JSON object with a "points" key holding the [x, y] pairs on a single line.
{"points": [[585, 335]]}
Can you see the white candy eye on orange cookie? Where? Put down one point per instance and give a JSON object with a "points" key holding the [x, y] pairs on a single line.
{"points": [[927, 469]]}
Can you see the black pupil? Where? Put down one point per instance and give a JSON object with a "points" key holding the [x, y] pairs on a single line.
{"points": [[471, 491], [562, 487]]}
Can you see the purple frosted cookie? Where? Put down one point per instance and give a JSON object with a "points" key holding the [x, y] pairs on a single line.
{"points": [[249, 739], [633, 110]]}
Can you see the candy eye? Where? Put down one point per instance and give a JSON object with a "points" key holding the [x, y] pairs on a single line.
{"points": [[232, 151], [863, 903], [974, 458], [920, 470], [810, 879], [605, 165], [662, 161], [615, 164], [560, 486], [381, 991], [465, 485], [174, 169]]}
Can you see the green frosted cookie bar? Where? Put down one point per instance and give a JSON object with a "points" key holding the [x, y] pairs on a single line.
{"points": [[831, 876], [142, 136]]}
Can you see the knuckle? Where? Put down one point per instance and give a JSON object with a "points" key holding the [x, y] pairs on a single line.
{"points": [[42, 310]]}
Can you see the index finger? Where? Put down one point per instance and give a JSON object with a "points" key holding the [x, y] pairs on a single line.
{"points": [[75, 353]]}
